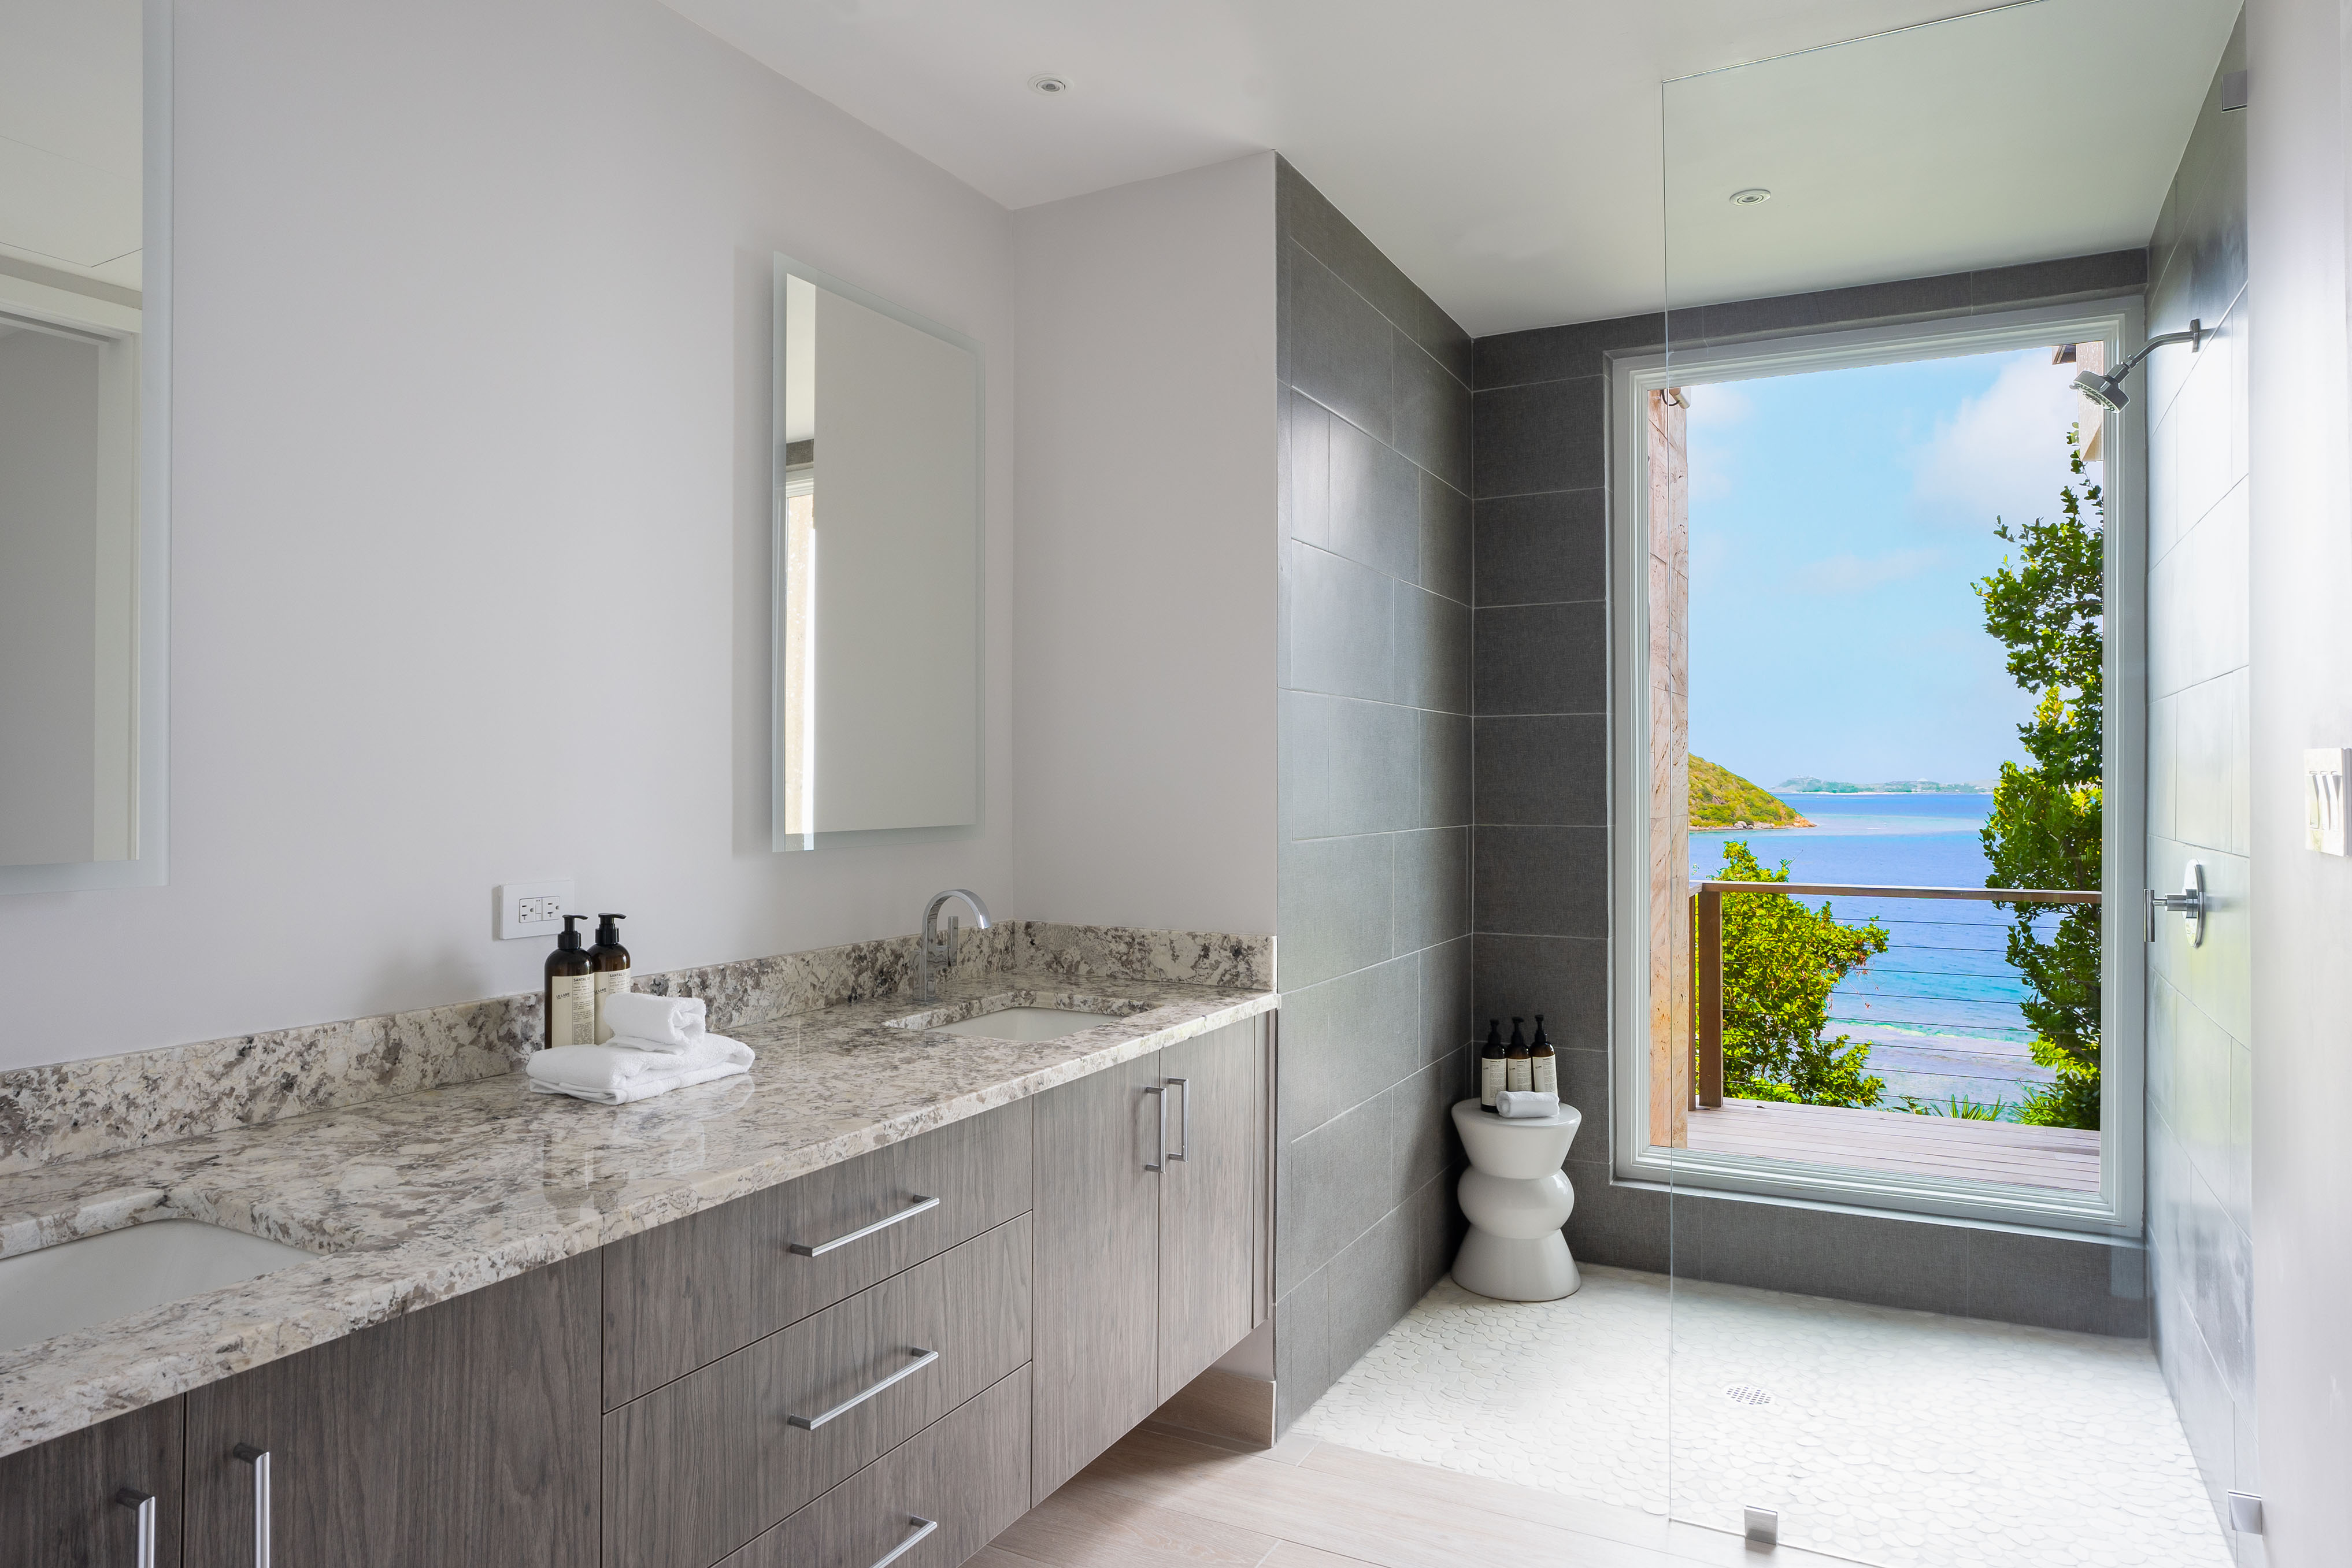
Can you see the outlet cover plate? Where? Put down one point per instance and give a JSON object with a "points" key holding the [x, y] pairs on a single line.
{"points": [[520, 909]]}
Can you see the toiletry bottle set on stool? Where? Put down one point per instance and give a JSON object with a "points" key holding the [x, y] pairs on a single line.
{"points": [[1515, 1194]]}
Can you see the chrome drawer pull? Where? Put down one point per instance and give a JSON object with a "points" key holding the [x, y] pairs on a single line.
{"points": [[247, 1454], [1160, 1090], [923, 1358], [1184, 1123], [922, 1206], [143, 1505], [911, 1542]]}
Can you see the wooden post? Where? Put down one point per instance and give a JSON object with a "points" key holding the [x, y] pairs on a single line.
{"points": [[1710, 998]]}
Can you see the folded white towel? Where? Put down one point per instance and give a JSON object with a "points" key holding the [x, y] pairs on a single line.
{"points": [[616, 1074], [1519, 1103], [650, 1022]]}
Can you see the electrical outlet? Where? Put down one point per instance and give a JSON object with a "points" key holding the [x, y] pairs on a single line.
{"points": [[529, 908]]}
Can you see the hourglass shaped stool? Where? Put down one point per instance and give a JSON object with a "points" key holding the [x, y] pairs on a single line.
{"points": [[1516, 1198]]}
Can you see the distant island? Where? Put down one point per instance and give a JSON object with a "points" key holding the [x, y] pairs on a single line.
{"points": [[1722, 799], [1892, 787]]}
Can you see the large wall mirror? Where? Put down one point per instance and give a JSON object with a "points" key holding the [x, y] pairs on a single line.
{"points": [[84, 208], [877, 564]]}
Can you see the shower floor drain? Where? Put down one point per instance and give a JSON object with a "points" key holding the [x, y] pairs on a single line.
{"points": [[1745, 1394]]}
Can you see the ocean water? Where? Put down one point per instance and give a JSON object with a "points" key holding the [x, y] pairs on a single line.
{"points": [[1940, 1006]]}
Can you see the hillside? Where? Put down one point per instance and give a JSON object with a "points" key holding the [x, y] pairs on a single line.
{"points": [[1722, 799]]}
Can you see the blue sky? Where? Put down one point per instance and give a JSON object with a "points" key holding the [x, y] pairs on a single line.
{"points": [[1837, 519]]}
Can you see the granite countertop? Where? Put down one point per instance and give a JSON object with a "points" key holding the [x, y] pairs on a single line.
{"points": [[414, 1199]]}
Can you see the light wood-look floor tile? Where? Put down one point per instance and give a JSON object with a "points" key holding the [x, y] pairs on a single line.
{"points": [[1085, 1525]]}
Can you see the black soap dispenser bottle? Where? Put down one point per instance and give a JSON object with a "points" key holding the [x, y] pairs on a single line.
{"points": [[571, 989], [610, 962], [1490, 1068], [1518, 1071], [1544, 1060]]}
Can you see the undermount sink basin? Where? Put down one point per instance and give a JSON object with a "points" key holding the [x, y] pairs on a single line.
{"points": [[77, 1284], [1027, 1024]]}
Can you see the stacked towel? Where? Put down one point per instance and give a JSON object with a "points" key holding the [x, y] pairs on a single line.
{"points": [[621, 1071], [647, 1023], [1519, 1103]]}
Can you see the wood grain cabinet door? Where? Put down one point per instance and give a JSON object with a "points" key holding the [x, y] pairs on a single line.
{"points": [[1097, 1279], [64, 1504], [1211, 1198], [463, 1434]]}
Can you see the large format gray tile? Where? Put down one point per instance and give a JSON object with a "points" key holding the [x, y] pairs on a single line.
{"points": [[1540, 658], [1903, 299], [1445, 539], [1564, 978], [1334, 904], [1342, 626], [1550, 767], [1340, 347], [1349, 765], [1309, 435], [2045, 1282], [1372, 1286], [1546, 435], [1445, 760], [1583, 1083], [1881, 1261], [1433, 887], [1432, 413], [1549, 549], [1556, 353], [1304, 214], [1339, 1182], [2070, 278], [1432, 649], [1438, 1226], [1375, 504], [1541, 881], [1445, 1019], [1302, 1349], [1347, 1041], [1421, 1120], [1617, 1226]]}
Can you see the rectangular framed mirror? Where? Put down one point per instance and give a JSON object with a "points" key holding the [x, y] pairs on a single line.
{"points": [[877, 544], [85, 226]]}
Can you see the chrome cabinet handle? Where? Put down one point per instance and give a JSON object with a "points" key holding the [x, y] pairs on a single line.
{"points": [[246, 1453], [925, 1526], [923, 1358], [1161, 1091], [143, 1504], [920, 1206], [1184, 1124]]}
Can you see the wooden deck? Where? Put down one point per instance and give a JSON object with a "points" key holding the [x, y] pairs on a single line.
{"points": [[2060, 1157]]}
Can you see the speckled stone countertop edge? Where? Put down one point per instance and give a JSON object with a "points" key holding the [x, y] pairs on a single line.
{"points": [[524, 1181]]}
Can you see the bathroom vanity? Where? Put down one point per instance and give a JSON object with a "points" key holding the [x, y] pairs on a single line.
{"points": [[885, 1294]]}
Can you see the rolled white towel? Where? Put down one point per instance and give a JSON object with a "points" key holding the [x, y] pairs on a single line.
{"points": [[650, 1022], [1524, 1103], [616, 1074]]}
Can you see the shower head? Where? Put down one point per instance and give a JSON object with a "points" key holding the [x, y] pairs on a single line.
{"points": [[2107, 392]]}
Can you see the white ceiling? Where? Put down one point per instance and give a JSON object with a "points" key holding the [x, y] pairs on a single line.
{"points": [[1506, 153], [69, 135]]}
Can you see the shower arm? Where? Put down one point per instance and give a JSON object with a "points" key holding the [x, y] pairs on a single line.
{"points": [[2195, 338]]}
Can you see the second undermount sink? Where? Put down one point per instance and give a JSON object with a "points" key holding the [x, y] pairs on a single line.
{"points": [[1023, 1017], [1027, 1024], [79, 1284]]}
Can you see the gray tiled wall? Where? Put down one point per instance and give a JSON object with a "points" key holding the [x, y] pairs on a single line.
{"points": [[2200, 1040], [1374, 880], [1539, 859]]}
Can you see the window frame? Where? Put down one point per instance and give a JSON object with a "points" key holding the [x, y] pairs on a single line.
{"points": [[2117, 1209]]}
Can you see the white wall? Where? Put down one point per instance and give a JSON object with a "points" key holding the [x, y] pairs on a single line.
{"points": [[1145, 591], [2300, 588], [469, 554]]}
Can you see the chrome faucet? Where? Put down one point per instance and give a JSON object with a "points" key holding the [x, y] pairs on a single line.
{"points": [[936, 946]]}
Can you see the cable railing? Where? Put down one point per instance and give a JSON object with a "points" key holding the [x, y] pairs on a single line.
{"points": [[1706, 901]]}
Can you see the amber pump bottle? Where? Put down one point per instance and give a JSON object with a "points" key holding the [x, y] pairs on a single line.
{"points": [[610, 962], [1490, 1066], [571, 989], [1543, 1062], [1518, 1066]]}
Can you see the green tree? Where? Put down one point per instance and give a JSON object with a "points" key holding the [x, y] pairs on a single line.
{"points": [[2048, 609], [1780, 961]]}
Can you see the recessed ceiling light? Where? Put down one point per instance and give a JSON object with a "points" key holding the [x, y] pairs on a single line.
{"points": [[1750, 196], [1049, 84]]}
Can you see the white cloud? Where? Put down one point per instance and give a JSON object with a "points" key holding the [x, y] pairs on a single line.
{"points": [[1717, 404], [2002, 453], [1859, 574]]}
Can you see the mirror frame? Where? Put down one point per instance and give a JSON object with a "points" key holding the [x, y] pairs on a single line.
{"points": [[148, 867], [785, 266]]}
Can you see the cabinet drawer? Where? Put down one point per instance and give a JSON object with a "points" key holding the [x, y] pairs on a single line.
{"points": [[969, 1474], [695, 1469], [681, 1295], [59, 1504]]}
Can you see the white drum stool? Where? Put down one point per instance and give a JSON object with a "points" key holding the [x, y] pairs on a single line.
{"points": [[1516, 1198]]}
